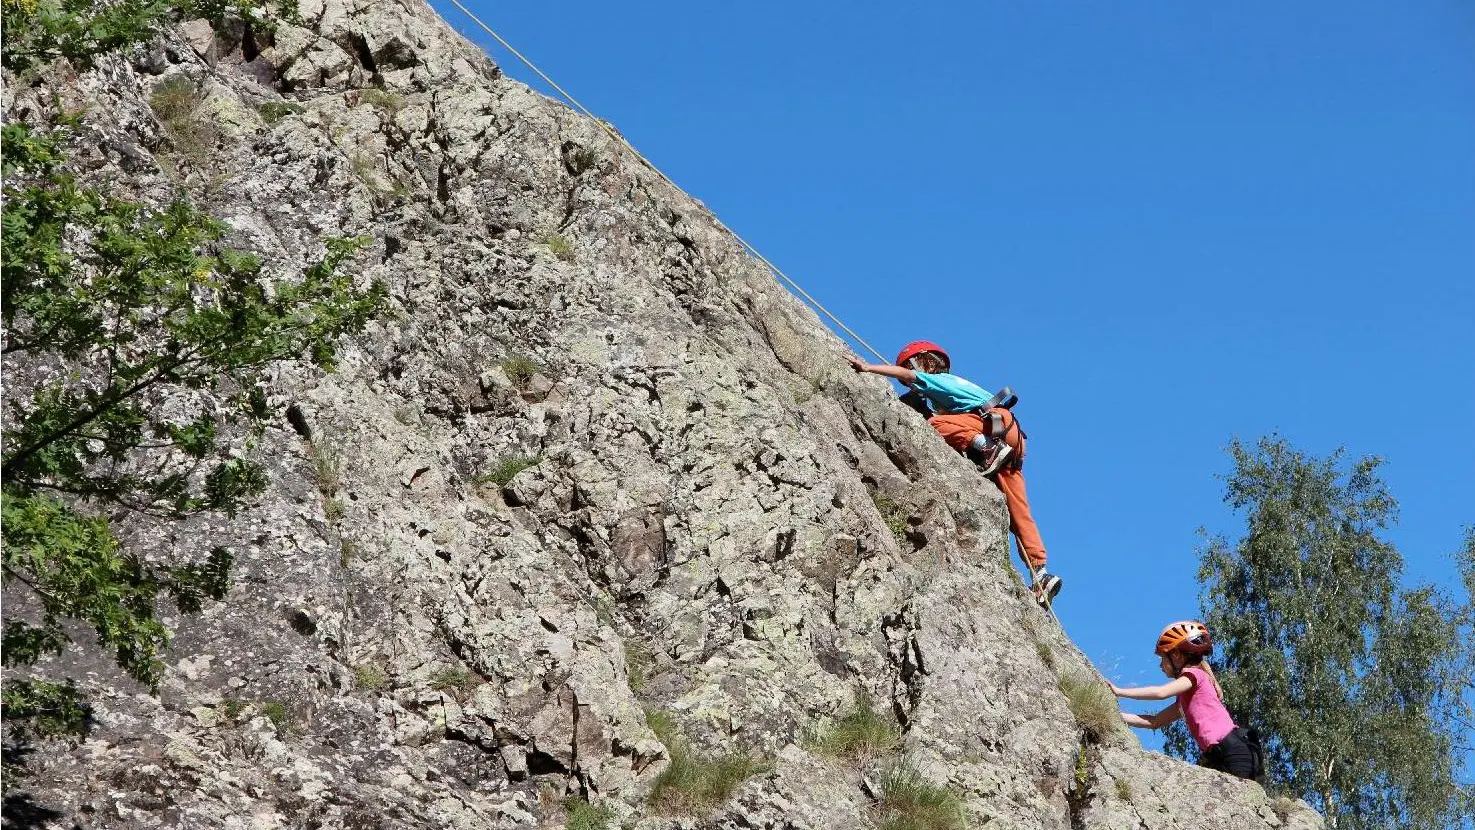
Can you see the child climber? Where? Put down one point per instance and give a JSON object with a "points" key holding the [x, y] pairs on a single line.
{"points": [[1222, 745], [967, 418]]}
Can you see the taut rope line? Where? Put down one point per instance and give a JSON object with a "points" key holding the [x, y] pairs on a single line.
{"points": [[623, 141]]}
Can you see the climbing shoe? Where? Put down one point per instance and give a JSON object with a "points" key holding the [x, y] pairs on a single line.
{"points": [[1047, 587], [990, 459]]}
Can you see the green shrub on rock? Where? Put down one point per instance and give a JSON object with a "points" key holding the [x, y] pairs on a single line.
{"points": [[137, 304]]}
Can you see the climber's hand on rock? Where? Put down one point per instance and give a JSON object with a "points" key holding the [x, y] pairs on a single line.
{"points": [[855, 363]]}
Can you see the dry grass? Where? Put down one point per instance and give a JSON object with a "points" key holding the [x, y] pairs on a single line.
{"points": [[1283, 806], [1092, 703], [382, 99], [178, 105], [327, 466], [1042, 646]]}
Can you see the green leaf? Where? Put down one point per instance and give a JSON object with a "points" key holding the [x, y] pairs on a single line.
{"points": [[1348, 674], [46, 709]]}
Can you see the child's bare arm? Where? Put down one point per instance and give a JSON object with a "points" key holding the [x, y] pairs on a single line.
{"points": [[902, 374], [1157, 721], [1172, 688]]}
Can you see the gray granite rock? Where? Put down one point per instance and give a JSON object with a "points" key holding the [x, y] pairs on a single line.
{"points": [[418, 640]]}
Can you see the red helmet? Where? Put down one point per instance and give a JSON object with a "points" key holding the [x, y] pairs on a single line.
{"points": [[920, 347], [1189, 636]]}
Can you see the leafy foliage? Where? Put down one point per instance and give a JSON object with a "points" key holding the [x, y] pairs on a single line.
{"points": [[48, 709], [131, 307], [1353, 680], [40, 31]]}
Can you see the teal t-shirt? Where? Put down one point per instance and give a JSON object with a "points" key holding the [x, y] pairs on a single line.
{"points": [[950, 394]]}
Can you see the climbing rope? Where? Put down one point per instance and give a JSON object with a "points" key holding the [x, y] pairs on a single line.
{"points": [[625, 142]]}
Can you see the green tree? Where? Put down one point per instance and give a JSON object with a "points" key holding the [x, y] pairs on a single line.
{"points": [[1352, 678], [40, 31], [1459, 716], [135, 346]]}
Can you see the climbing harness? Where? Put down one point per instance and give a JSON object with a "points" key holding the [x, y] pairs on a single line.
{"points": [[627, 145], [1003, 399]]}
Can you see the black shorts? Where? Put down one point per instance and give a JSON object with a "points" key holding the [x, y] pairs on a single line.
{"points": [[1238, 754]]}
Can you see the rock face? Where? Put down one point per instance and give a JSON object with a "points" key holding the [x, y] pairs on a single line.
{"points": [[594, 462]]}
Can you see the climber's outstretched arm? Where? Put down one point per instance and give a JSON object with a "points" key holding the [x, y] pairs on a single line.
{"points": [[1157, 721], [1172, 688], [906, 376]]}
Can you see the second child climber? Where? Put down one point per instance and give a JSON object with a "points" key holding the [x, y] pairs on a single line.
{"points": [[1222, 745], [964, 415]]}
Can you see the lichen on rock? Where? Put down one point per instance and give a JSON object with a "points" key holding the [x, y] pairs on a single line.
{"points": [[691, 527]]}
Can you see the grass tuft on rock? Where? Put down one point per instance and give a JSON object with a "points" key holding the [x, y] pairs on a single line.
{"points": [[639, 664], [894, 514], [280, 716], [274, 111], [370, 676], [585, 816], [382, 99], [179, 107], [911, 802], [456, 682], [560, 246], [327, 467], [693, 784], [520, 369], [860, 735], [1092, 703], [507, 469]]}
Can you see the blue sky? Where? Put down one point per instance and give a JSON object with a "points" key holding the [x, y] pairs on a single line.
{"points": [[1163, 224]]}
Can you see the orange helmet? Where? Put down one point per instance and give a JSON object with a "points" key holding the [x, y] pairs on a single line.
{"points": [[919, 347], [1187, 636]]}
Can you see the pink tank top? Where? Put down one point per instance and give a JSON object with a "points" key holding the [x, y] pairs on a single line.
{"points": [[1208, 720]]}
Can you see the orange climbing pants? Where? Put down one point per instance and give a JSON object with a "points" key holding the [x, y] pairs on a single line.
{"points": [[960, 430]]}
